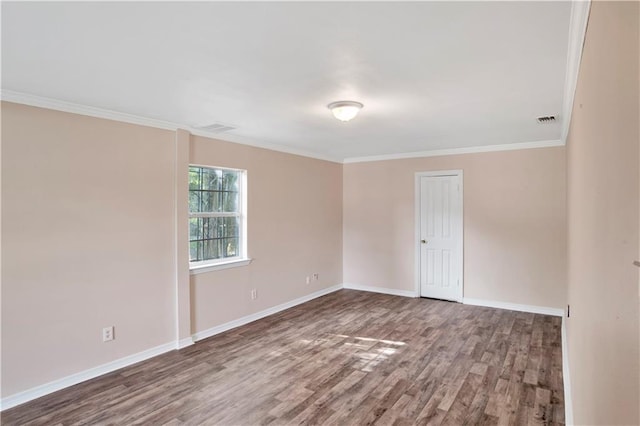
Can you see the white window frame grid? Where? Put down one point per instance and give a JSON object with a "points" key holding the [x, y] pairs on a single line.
{"points": [[225, 262]]}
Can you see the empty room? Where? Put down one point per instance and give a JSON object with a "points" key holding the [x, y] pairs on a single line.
{"points": [[340, 213]]}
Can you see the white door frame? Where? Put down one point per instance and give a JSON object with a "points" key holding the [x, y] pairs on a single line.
{"points": [[417, 237]]}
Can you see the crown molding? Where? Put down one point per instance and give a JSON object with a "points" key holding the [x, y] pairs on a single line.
{"points": [[264, 145], [74, 108], [70, 107], [577, 31], [64, 106], [457, 151]]}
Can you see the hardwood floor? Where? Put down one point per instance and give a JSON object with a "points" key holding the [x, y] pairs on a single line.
{"points": [[346, 358]]}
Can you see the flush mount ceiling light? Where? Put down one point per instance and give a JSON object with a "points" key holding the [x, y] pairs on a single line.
{"points": [[345, 110]]}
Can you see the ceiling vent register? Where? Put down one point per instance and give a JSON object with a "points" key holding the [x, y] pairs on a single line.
{"points": [[547, 119], [216, 128]]}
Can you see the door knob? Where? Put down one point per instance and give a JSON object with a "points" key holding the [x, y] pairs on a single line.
{"points": [[423, 241]]}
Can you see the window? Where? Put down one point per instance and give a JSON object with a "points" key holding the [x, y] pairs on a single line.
{"points": [[216, 216]]}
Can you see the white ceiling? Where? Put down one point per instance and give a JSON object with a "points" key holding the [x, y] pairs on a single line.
{"points": [[432, 75]]}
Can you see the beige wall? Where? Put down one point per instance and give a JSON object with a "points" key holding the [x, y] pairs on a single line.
{"points": [[294, 230], [87, 238], [514, 224], [603, 186]]}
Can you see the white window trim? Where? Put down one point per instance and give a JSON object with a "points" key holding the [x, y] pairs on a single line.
{"points": [[243, 259], [228, 263]]}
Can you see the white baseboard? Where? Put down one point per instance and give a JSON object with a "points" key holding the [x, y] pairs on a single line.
{"points": [[383, 290], [568, 405], [265, 313], [56, 385], [514, 307], [566, 380], [183, 343], [568, 401]]}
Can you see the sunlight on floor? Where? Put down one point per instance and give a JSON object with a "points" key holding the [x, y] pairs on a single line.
{"points": [[369, 351], [371, 356], [369, 339]]}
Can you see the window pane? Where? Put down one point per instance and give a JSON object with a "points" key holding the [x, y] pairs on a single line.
{"points": [[231, 227], [194, 178], [210, 227], [210, 201], [195, 228], [217, 202], [213, 238], [211, 179], [229, 202], [207, 201], [193, 251], [230, 180], [206, 249], [213, 190], [211, 249], [194, 201], [230, 247]]}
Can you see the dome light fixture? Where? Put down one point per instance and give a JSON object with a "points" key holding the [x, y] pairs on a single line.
{"points": [[345, 110]]}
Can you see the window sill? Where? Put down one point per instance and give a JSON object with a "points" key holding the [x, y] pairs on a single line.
{"points": [[194, 270]]}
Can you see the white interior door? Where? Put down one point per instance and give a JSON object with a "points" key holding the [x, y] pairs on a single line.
{"points": [[440, 222]]}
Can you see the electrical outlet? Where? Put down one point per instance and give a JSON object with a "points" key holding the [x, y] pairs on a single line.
{"points": [[308, 280], [316, 276], [254, 294], [107, 334]]}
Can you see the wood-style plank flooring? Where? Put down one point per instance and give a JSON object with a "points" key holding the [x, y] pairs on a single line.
{"points": [[344, 359]]}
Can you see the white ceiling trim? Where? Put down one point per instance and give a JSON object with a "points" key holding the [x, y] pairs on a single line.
{"points": [[263, 145], [457, 151], [577, 31], [58, 105], [64, 106]]}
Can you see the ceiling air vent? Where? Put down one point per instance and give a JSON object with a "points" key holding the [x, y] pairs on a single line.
{"points": [[216, 128], [547, 119]]}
